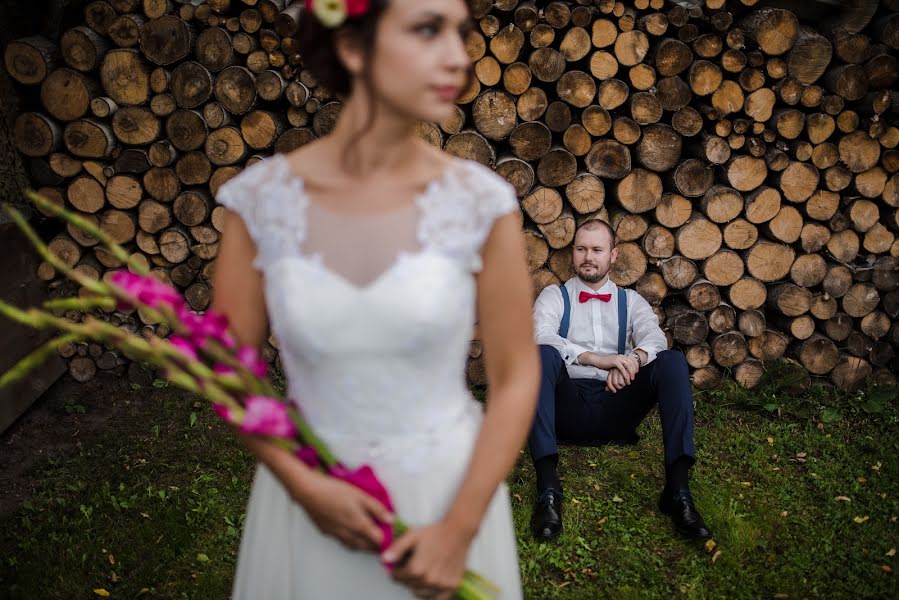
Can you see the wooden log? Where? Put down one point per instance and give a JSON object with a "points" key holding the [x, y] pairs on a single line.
{"points": [[729, 349], [747, 293], [673, 93], [698, 355], [722, 318], [125, 77], [810, 55], [678, 272], [134, 125], [723, 268], [860, 299], [193, 168], [746, 173], [166, 40], [30, 60], [517, 172], [659, 147], [543, 205], [699, 238], [608, 159], [560, 232], [850, 373], [36, 134], [693, 178], [585, 193], [82, 48], [652, 287], [639, 191], [689, 327], [703, 295], [472, 145]]}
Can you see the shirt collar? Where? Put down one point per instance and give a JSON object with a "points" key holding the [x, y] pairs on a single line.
{"points": [[607, 288]]}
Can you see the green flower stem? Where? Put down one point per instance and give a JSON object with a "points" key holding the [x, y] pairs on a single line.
{"points": [[42, 249], [88, 227], [80, 304]]}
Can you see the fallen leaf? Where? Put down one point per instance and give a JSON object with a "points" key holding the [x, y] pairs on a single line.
{"points": [[716, 555], [111, 559], [710, 545], [602, 521], [876, 467], [575, 501], [517, 496], [801, 455], [770, 440], [887, 568], [617, 499], [843, 499], [891, 552], [781, 595], [861, 519], [747, 483], [784, 514], [861, 479], [101, 592], [564, 583], [633, 454], [202, 557]]}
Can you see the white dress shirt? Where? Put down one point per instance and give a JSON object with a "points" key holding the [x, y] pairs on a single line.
{"points": [[593, 326]]}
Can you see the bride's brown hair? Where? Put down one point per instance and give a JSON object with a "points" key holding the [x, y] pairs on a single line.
{"points": [[317, 47]]}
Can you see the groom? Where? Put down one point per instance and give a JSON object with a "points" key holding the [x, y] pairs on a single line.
{"points": [[600, 380]]}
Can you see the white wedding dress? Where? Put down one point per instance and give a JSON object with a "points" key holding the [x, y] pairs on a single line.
{"points": [[373, 316]]}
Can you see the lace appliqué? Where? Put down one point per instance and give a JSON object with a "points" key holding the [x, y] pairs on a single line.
{"points": [[457, 222], [457, 211], [272, 205]]}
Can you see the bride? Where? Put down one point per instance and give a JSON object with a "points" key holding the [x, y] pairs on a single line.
{"points": [[368, 254]]}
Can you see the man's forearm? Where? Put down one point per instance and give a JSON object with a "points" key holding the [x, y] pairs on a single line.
{"points": [[603, 361]]}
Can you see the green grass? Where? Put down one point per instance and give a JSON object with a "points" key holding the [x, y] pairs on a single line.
{"points": [[151, 505]]}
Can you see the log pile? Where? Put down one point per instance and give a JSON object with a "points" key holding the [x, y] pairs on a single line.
{"points": [[747, 160]]}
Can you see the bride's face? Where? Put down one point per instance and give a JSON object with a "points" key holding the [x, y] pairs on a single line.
{"points": [[419, 64]]}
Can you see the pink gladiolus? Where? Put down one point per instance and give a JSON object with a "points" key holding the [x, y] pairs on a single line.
{"points": [[184, 346], [202, 327], [148, 290], [308, 455], [222, 411], [267, 416], [249, 358], [364, 478]]}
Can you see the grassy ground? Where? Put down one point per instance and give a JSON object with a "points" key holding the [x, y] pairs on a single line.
{"points": [[143, 492]]}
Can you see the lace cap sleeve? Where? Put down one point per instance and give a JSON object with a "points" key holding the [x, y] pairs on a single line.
{"points": [[495, 198], [260, 196]]}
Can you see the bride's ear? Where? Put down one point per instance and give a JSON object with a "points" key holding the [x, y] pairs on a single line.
{"points": [[350, 52]]}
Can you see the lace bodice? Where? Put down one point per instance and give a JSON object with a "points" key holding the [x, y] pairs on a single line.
{"points": [[373, 314]]}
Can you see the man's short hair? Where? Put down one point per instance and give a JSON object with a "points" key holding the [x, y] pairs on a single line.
{"points": [[594, 224]]}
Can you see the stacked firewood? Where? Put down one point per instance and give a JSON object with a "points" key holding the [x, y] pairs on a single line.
{"points": [[747, 159]]}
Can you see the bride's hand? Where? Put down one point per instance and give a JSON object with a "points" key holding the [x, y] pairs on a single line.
{"points": [[343, 511], [430, 560]]}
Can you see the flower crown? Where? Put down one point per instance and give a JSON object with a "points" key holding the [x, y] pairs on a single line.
{"points": [[332, 13]]}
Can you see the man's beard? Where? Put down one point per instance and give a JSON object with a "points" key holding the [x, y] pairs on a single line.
{"points": [[593, 277]]}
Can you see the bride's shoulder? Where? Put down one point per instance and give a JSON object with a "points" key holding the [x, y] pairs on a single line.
{"points": [[486, 190], [262, 173]]}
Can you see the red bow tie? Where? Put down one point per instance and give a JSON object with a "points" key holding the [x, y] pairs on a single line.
{"points": [[601, 297]]}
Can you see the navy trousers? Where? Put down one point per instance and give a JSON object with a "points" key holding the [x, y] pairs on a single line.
{"points": [[582, 411]]}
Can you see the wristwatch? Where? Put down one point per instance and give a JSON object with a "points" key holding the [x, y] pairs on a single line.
{"points": [[636, 355]]}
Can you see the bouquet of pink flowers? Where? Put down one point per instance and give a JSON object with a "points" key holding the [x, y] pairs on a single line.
{"points": [[200, 355]]}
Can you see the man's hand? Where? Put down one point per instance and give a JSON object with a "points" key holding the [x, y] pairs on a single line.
{"points": [[617, 380]]}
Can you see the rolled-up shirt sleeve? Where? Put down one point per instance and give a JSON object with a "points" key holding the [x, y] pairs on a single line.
{"points": [[548, 310], [645, 332]]}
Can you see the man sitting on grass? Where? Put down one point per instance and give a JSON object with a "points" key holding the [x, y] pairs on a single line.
{"points": [[605, 364]]}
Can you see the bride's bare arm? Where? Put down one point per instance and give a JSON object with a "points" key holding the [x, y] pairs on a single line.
{"points": [[337, 508], [513, 369]]}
